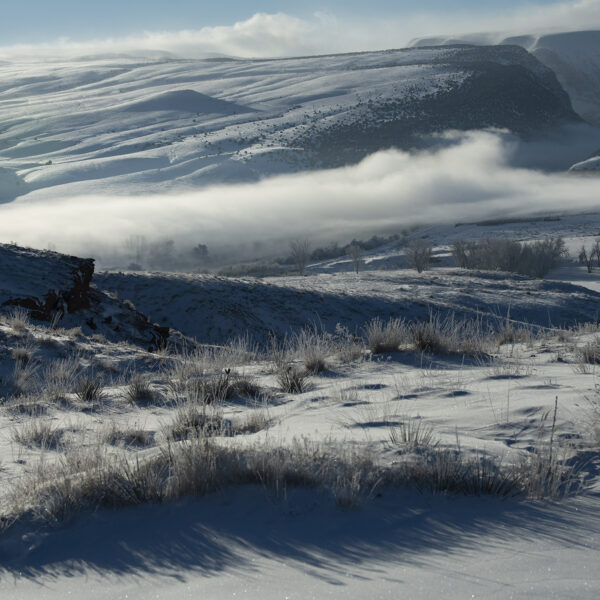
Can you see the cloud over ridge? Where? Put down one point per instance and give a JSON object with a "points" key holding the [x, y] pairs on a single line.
{"points": [[278, 35]]}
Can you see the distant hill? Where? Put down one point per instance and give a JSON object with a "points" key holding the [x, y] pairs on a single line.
{"points": [[573, 56], [131, 125]]}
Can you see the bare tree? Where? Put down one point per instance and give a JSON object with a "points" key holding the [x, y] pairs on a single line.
{"points": [[300, 253], [137, 246], [596, 251], [418, 255], [355, 253], [587, 257]]}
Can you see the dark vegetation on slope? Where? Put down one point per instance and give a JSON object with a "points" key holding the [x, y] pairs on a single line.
{"points": [[505, 88]]}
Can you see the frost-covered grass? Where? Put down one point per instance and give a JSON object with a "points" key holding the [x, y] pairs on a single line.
{"points": [[410, 413]]}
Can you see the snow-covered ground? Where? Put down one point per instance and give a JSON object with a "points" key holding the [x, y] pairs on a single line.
{"points": [[257, 542], [574, 56]]}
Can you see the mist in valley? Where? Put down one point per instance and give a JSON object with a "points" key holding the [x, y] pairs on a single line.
{"points": [[470, 176]]}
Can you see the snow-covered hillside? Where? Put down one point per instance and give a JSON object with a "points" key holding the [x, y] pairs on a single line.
{"points": [[574, 57], [193, 472], [140, 125]]}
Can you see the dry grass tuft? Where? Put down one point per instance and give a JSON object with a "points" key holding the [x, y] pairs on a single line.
{"points": [[90, 391], [138, 390], [18, 320], [38, 432], [386, 337]]}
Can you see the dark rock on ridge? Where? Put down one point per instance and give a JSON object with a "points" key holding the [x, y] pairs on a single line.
{"points": [[58, 289]]}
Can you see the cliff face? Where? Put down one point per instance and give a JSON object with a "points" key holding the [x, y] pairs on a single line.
{"points": [[55, 288]]}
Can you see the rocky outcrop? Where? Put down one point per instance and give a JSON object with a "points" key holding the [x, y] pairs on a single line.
{"points": [[45, 283], [58, 289]]}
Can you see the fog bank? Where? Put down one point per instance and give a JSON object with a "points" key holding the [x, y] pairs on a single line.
{"points": [[389, 190]]}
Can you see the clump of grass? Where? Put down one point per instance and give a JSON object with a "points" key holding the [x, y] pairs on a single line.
{"points": [[589, 353], [201, 361], [31, 406], [192, 421], [138, 390], [128, 437], [214, 389], [24, 378], [38, 432], [88, 478], [18, 320], [385, 337], [22, 355], [413, 434], [545, 470], [313, 348], [90, 390], [256, 420], [509, 333], [348, 347], [509, 368], [60, 377], [292, 379], [447, 335]]}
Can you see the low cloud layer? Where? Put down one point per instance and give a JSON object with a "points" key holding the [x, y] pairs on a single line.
{"points": [[273, 35], [465, 182]]}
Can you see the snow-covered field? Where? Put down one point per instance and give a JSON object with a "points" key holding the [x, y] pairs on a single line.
{"points": [[494, 403]]}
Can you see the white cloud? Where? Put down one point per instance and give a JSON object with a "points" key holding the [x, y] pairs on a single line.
{"points": [[468, 181], [276, 35]]}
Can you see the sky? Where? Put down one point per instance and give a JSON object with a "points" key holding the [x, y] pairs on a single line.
{"points": [[239, 27]]}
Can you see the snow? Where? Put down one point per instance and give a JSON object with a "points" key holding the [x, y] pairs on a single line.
{"points": [[64, 125], [574, 57], [251, 542], [245, 546], [112, 123]]}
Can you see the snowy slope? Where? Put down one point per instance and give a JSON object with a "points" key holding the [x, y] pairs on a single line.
{"points": [[258, 543], [573, 56], [141, 125], [212, 309]]}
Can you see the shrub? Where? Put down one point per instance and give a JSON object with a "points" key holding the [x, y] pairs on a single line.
{"points": [[534, 259], [355, 253], [418, 255], [300, 253]]}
